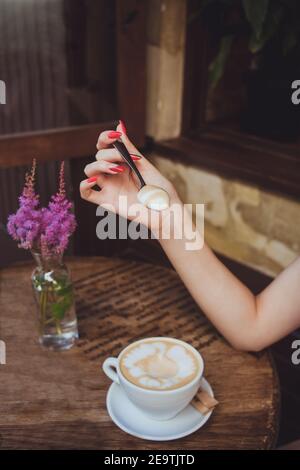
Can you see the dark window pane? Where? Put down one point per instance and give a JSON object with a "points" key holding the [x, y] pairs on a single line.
{"points": [[57, 58]]}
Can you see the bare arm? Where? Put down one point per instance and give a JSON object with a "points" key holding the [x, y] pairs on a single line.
{"points": [[246, 321]]}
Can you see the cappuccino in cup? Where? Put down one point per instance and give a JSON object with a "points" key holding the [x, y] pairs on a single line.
{"points": [[159, 375], [159, 364]]}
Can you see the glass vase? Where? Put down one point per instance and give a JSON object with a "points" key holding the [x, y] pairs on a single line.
{"points": [[53, 291]]}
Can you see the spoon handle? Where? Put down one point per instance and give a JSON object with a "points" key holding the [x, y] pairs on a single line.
{"points": [[126, 155]]}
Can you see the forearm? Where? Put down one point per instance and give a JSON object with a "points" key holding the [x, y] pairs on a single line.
{"points": [[247, 322], [228, 304]]}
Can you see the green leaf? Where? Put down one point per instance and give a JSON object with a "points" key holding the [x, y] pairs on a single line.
{"points": [[216, 67], [256, 11], [272, 22], [64, 290], [61, 307], [58, 311]]}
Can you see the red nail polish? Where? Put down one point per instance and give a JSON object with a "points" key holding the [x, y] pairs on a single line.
{"points": [[135, 157], [114, 134], [93, 179], [117, 169], [123, 127]]}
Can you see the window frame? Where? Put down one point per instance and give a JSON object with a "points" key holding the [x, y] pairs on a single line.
{"points": [[275, 166]]}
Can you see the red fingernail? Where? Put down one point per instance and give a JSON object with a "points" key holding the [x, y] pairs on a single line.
{"points": [[135, 157], [118, 168], [93, 179], [123, 127], [114, 134]]}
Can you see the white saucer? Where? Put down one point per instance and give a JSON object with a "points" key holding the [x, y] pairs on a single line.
{"points": [[131, 420]]}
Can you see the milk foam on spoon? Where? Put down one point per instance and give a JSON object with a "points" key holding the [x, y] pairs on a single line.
{"points": [[153, 197]]}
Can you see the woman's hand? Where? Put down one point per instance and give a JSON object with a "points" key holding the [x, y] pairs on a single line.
{"points": [[114, 178]]}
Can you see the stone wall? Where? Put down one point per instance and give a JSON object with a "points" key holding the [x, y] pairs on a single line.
{"points": [[250, 225]]}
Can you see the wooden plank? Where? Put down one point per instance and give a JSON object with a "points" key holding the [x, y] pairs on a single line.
{"points": [[57, 400], [234, 158], [131, 59], [53, 144], [195, 70]]}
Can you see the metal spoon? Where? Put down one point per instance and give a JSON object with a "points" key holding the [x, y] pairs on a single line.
{"points": [[150, 196], [127, 157]]}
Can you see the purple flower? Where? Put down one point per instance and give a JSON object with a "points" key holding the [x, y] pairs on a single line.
{"points": [[45, 229], [25, 225], [59, 224], [58, 221]]}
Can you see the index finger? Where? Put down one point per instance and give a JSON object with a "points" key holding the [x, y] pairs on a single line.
{"points": [[107, 138]]}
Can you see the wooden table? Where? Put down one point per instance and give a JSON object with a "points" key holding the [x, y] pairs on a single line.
{"points": [[52, 400]]}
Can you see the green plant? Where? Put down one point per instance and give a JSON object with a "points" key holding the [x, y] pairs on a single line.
{"points": [[54, 294], [271, 28]]}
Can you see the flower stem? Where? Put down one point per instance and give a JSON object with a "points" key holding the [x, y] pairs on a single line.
{"points": [[43, 306], [58, 328]]}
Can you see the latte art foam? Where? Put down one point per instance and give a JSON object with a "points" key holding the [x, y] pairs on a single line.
{"points": [[159, 365]]}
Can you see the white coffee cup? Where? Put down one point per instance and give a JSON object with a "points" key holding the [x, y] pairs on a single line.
{"points": [[156, 404]]}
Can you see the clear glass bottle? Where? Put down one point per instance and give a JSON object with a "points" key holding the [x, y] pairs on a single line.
{"points": [[53, 291]]}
